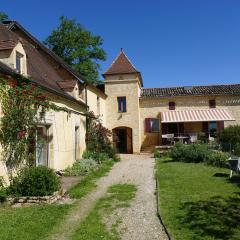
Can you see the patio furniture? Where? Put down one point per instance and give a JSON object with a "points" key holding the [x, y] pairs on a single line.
{"points": [[170, 138], [234, 164], [181, 138], [193, 137]]}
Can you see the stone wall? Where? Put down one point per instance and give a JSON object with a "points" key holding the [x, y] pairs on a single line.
{"points": [[151, 107], [119, 86]]}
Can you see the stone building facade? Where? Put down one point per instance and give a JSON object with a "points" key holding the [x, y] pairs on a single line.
{"points": [[138, 117], [140, 125]]}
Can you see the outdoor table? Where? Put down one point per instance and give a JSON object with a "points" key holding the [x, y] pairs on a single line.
{"points": [[181, 138]]}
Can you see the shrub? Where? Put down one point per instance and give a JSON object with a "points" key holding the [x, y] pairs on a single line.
{"points": [[81, 167], [3, 194], [230, 139], [216, 158], [178, 152], [35, 181], [198, 153]]}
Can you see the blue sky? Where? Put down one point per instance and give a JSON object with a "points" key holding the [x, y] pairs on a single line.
{"points": [[172, 42]]}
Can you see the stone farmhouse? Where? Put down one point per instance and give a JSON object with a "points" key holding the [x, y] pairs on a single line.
{"points": [[140, 118]]}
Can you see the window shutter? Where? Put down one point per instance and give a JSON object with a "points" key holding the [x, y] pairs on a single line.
{"points": [[212, 103], [171, 105], [220, 125], [205, 127], [147, 124]]}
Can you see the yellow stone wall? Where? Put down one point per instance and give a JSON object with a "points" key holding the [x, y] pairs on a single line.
{"points": [[119, 86], [151, 107], [9, 57], [62, 134], [93, 96]]}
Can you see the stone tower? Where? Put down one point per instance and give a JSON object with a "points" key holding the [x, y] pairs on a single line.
{"points": [[123, 83]]}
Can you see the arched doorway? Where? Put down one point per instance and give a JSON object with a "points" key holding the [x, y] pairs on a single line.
{"points": [[122, 139]]}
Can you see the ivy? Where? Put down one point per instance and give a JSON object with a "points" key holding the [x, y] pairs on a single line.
{"points": [[23, 106]]}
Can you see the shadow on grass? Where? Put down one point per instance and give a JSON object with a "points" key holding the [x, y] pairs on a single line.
{"points": [[217, 218]]}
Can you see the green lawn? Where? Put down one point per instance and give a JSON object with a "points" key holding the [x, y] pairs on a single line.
{"points": [[198, 201], [37, 222], [88, 183], [30, 222], [93, 227]]}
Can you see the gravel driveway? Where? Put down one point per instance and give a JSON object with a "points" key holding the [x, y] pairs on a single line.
{"points": [[139, 221]]}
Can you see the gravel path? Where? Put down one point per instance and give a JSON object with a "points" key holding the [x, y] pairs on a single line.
{"points": [[139, 221]]}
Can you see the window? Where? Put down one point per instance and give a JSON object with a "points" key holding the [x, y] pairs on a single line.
{"points": [[122, 104], [152, 125], [171, 105], [212, 103], [212, 129], [98, 105], [19, 57], [42, 146], [76, 143]]}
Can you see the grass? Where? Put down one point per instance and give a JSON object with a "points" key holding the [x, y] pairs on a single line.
{"points": [[198, 201], [93, 227], [37, 222], [88, 183], [30, 223]]}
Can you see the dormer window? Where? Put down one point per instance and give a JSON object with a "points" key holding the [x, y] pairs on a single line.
{"points": [[19, 59]]}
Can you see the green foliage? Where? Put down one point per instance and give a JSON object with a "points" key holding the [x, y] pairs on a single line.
{"points": [[198, 201], [98, 139], [33, 222], [198, 153], [3, 194], [23, 106], [81, 167], [35, 181], [78, 47], [230, 139], [3, 16], [87, 184], [118, 196], [218, 159]]}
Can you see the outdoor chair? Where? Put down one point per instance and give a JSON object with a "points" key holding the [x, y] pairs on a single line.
{"points": [[193, 137], [170, 138], [234, 164]]}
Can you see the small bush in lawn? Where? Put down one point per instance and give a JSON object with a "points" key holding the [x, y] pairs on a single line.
{"points": [[196, 152], [81, 167], [216, 158], [35, 181], [178, 152]]}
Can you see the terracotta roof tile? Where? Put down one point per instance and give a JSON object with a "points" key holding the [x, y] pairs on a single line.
{"points": [[67, 84], [232, 89], [121, 65], [7, 44]]}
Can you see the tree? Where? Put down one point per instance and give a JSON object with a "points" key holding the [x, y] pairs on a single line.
{"points": [[3, 16], [78, 47]]}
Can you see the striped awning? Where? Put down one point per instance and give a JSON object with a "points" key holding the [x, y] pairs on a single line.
{"points": [[202, 115]]}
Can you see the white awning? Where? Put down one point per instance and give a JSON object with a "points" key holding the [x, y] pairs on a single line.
{"points": [[202, 115]]}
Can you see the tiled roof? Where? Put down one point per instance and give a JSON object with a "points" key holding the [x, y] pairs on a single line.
{"points": [[67, 84], [7, 45], [39, 68], [121, 65], [232, 89]]}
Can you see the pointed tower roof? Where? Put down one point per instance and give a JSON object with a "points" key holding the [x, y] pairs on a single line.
{"points": [[122, 65]]}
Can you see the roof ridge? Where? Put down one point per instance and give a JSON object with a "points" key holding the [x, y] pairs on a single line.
{"points": [[214, 85]]}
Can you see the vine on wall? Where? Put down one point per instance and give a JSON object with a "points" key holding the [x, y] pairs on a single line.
{"points": [[23, 105]]}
